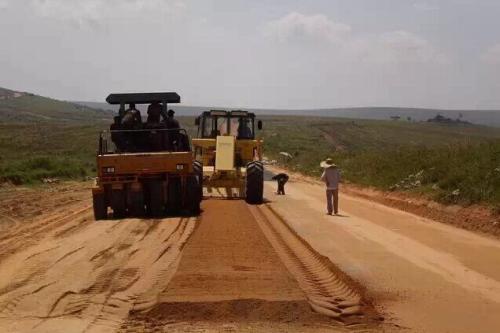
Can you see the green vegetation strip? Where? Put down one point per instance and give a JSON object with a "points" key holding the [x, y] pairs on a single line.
{"points": [[448, 163]]}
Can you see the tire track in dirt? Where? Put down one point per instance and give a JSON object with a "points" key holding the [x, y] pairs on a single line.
{"points": [[231, 274], [138, 286], [28, 235], [64, 270], [329, 291], [84, 273]]}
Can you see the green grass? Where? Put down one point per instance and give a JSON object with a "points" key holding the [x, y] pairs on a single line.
{"points": [[466, 174], [34, 169], [455, 164], [31, 152]]}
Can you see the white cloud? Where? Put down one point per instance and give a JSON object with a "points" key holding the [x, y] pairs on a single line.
{"points": [[296, 26], [83, 12], [388, 47], [492, 55]]}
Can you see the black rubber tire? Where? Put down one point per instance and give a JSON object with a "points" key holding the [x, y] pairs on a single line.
{"points": [[254, 183], [136, 204], [174, 196], [119, 203], [193, 195], [155, 204], [100, 207], [198, 170]]}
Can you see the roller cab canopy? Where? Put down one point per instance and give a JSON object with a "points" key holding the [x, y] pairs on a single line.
{"points": [[223, 113], [144, 98]]}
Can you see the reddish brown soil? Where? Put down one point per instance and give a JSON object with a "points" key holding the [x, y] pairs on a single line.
{"points": [[477, 218], [61, 271]]}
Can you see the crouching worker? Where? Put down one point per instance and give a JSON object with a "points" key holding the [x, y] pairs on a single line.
{"points": [[331, 178], [281, 178]]}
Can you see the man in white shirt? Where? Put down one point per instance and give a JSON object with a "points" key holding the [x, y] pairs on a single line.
{"points": [[331, 178]]}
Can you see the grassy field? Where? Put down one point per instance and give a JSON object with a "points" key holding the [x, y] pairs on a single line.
{"points": [[452, 164], [43, 138], [30, 152]]}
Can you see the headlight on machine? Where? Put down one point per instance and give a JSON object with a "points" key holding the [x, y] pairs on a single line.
{"points": [[108, 169], [180, 166]]}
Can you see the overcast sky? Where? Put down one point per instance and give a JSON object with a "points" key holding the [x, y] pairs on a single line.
{"points": [[271, 54]]}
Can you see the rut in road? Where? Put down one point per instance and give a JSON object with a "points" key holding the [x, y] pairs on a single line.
{"points": [[328, 290], [231, 272], [74, 272]]}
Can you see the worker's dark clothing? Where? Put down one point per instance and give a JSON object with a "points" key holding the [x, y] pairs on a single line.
{"points": [[154, 113], [244, 131], [132, 141], [172, 123], [131, 118], [281, 178], [174, 137]]}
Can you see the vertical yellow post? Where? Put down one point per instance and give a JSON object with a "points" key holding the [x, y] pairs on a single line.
{"points": [[224, 158]]}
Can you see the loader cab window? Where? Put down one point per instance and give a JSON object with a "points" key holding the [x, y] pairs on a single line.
{"points": [[222, 125], [240, 126], [245, 128], [213, 125], [233, 126], [207, 127]]}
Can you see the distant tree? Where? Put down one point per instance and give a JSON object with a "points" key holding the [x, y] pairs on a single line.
{"points": [[408, 118]]}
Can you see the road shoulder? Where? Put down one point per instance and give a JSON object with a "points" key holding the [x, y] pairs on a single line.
{"points": [[414, 269]]}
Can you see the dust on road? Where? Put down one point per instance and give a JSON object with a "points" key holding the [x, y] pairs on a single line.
{"points": [[63, 272]]}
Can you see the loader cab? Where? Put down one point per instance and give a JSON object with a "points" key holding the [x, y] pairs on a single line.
{"points": [[237, 123], [230, 152]]}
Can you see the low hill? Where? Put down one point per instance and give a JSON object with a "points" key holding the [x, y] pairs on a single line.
{"points": [[22, 107], [479, 117], [451, 161]]}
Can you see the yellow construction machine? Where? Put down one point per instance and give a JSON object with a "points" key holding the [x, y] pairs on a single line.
{"points": [[227, 147], [145, 167]]}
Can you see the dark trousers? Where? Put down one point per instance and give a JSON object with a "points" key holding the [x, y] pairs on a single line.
{"points": [[281, 187], [332, 201]]}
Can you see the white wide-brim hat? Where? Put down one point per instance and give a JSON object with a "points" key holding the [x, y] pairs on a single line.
{"points": [[327, 163]]}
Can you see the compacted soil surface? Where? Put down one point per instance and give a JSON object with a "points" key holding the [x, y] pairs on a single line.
{"points": [[423, 276], [61, 271], [283, 266]]}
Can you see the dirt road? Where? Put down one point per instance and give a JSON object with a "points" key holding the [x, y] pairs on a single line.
{"points": [[63, 272], [223, 271], [240, 268], [424, 276]]}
